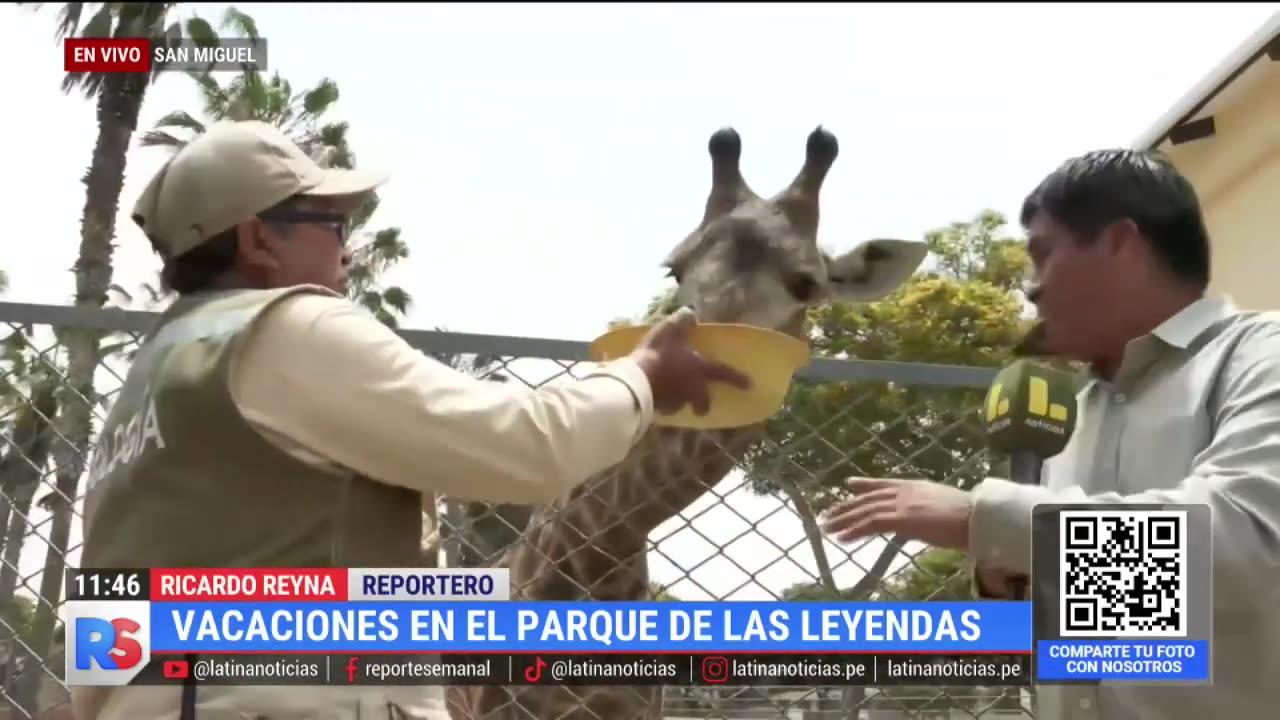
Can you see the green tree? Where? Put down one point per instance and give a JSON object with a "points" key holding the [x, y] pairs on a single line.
{"points": [[815, 592], [935, 574], [303, 116]]}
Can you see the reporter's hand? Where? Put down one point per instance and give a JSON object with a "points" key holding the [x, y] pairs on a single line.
{"points": [[677, 373]]}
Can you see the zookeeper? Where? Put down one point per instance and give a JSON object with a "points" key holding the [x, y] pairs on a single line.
{"points": [[269, 422]]}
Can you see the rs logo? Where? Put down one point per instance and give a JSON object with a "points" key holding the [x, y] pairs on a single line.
{"points": [[110, 643], [1037, 401]]}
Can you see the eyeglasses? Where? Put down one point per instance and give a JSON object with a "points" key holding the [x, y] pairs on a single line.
{"points": [[290, 216]]}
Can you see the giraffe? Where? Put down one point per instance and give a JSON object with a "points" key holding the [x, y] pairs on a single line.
{"points": [[750, 261]]}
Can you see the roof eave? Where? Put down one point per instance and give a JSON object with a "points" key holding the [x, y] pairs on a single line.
{"points": [[1208, 88]]}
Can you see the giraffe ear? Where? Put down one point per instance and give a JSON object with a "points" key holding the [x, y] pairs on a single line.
{"points": [[874, 269]]}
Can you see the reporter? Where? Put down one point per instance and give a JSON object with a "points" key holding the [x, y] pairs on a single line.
{"points": [[1182, 405], [269, 422]]}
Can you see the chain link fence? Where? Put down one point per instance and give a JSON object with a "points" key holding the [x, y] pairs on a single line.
{"points": [[727, 517]]}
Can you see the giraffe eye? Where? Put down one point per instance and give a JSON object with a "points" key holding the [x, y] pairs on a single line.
{"points": [[803, 287]]}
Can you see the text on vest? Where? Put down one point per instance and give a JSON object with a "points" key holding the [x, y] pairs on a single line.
{"points": [[127, 441]]}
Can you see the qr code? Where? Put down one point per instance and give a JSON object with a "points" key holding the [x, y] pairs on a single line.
{"points": [[1123, 573]]}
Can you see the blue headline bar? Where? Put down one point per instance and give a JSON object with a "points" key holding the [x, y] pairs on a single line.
{"points": [[568, 627], [1130, 660]]}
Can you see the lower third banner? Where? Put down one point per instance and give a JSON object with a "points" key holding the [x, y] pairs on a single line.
{"points": [[764, 669]]}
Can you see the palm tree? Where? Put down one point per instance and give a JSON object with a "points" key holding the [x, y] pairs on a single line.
{"points": [[119, 98], [300, 115], [28, 404], [22, 469]]}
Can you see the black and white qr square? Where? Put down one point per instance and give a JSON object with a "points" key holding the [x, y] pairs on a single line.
{"points": [[1122, 573], [1165, 533], [1081, 533], [1081, 614]]}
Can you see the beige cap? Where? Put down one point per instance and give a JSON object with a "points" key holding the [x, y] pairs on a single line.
{"points": [[232, 172]]}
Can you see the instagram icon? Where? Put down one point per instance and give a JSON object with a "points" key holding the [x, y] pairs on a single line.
{"points": [[715, 670]]}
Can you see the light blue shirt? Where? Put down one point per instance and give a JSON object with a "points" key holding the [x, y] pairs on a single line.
{"points": [[1192, 416]]}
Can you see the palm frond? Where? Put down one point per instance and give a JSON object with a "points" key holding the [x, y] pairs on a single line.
{"points": [[170, 37], [118, 291], [398, 299], [361, 216], [215, 96], [387, 246], [140, 19], [370, 300], [386, 318], [69, 19], [99, 26], [159, 138], [252, 98], [316, 101], [180, 119], [334, 135], [177, 119], [199, 31], [240, 24], [359, 275]]}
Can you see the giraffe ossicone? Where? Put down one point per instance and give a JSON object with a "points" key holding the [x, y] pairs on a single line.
{"points": [[751, 261]]}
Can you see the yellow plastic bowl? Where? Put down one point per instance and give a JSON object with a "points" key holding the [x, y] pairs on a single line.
{"points": [[769, 358]]}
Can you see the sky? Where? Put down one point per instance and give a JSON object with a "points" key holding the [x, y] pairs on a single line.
{"points": [[545, 159]]}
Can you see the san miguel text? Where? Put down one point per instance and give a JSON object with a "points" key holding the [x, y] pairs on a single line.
{"points": [[764, 669]]}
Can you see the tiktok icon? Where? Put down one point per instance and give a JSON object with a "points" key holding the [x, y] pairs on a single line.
{"points": [[534, 674]]}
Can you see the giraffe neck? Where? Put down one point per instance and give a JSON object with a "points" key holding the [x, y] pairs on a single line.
{"points": [[592, 545]]}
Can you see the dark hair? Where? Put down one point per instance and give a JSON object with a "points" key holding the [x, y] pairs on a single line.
{"points": [[1087, 193], [198, 268]]}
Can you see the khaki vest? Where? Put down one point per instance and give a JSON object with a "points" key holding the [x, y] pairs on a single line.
{"points": [[179, 478]]}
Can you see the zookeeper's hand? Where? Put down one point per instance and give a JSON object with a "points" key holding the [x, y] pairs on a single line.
{"points": [[677, 373]]}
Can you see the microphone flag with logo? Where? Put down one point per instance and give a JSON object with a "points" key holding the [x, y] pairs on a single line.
{"points": [[1030, 413], [1030, 408]]}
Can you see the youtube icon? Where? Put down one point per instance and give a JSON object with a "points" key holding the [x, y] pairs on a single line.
{"points": [[176, 669]]}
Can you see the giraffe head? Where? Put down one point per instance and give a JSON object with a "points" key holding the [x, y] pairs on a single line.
{"points": [[757, 262]]}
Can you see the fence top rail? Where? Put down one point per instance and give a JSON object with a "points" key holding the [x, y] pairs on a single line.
{"points": [[511, 346]]}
